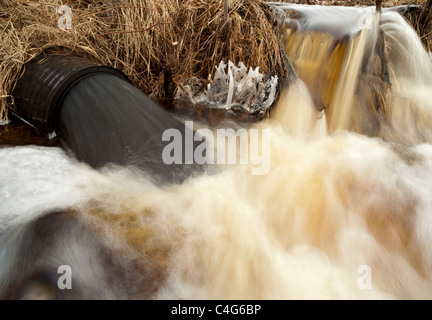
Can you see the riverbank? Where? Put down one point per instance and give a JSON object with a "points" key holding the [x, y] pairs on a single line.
{"points": [[160, 45]]}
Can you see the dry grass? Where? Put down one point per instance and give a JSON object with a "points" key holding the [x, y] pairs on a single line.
{"points": [[420, 19], [157, 44]]}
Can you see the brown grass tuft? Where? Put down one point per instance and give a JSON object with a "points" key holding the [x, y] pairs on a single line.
{"points": [[421, 20], [157, 44]]}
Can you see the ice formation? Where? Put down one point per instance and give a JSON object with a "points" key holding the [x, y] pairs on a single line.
{"points": [[232, 87]]}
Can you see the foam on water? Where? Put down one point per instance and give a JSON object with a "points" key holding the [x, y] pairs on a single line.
{"points": [[326, 208]]}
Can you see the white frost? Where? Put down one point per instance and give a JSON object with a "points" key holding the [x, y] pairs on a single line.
{"points": [[233, 87]]}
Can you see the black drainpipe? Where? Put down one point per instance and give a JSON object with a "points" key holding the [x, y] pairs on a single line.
{"points": [[45, 81], [40, 95]]}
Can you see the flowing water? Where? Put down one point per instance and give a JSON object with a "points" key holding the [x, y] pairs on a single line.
{"points": [[344, 211]]}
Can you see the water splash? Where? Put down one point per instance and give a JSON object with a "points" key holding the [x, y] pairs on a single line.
{"points": [[410, 99]]}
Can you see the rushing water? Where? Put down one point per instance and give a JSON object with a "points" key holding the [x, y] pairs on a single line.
{"points": [[347, 196]]}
